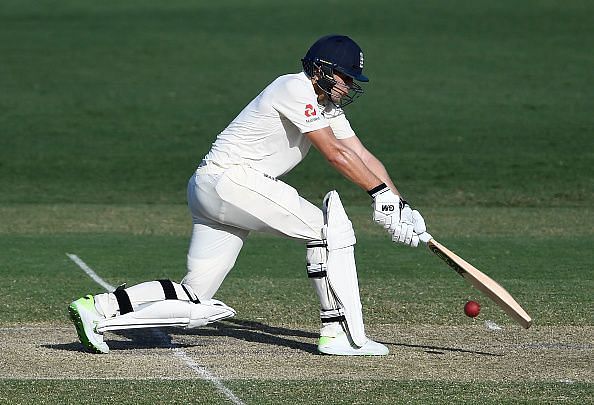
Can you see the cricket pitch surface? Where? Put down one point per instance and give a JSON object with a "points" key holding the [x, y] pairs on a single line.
{"points": [[241, 349]]}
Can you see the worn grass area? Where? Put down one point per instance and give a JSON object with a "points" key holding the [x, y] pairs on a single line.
{"points": [[266, 363], [276, 351]]}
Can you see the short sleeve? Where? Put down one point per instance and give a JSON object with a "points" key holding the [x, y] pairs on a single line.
{"points": [[298, 103], [341, 126]]}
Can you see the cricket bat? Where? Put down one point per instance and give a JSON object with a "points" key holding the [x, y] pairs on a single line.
{"points": [[480, 281]]}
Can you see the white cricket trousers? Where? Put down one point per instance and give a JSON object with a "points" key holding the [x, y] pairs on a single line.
{"points": [[226, 204]]}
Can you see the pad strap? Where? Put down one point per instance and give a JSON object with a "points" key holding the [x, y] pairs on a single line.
{"points": [[123, 300], [316, 243], [317, 269], [332, 315], [194, 300], [168, 289]]}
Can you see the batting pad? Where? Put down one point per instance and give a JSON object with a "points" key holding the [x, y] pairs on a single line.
{"points": [[169, 313], [342, 271]]}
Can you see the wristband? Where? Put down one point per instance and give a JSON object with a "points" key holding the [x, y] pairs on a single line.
{"points": [[377, 190]]}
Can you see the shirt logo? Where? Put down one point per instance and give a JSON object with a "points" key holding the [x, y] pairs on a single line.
{"points": [[310, 111]]}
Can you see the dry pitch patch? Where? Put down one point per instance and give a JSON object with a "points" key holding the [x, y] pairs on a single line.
{"points": [[247, 350]]}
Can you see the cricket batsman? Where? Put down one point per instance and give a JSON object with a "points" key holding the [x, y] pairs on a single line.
{"points": [[236, 190]]}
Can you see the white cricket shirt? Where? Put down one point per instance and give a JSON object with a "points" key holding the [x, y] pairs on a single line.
{"points": [[268, 134]]}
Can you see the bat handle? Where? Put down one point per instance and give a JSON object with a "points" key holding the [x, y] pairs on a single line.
{"points": [[425, 237]]}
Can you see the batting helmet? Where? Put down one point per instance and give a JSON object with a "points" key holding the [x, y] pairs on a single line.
{"points": [[335, 53]]}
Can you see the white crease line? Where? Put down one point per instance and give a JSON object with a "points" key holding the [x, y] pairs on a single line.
{"points": [[90, 272], [78, 378], [28, 328], [177, 352]]}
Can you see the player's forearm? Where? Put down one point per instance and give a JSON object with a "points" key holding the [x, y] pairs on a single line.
{"points": [[345, 159], [350, 165], [379, 170]]}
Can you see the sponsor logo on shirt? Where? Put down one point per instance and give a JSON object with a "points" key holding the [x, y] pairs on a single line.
{"points": [[311, 113]]}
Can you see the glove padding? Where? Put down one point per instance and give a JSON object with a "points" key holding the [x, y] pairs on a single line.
{"points": [[397, 217]]}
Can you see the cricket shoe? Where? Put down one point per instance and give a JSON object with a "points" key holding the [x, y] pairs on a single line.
{"points": [[85, 318], [338, 343]]}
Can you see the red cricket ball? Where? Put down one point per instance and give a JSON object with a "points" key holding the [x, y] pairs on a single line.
{"points": [[472, 309]]}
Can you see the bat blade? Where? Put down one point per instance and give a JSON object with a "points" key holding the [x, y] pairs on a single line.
{"points": [[483, 283]]}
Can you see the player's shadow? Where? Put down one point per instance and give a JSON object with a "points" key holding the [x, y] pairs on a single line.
{"points": [[441, 350], [149, 338], [154, 338], [257, 332], [249, 331]]}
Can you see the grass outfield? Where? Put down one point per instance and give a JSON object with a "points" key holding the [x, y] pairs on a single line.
{"points": [[482, 112], [294, 392], [534, 268], [117, 101]]}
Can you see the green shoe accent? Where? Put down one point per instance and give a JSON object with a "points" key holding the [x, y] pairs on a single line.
{"points": [[87, 302], [324, 340]]}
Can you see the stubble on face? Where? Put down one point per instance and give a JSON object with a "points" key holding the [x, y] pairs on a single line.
{"points": [[339, 90]]}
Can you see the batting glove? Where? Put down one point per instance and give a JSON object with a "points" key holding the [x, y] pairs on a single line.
{"points": [[395, 215]]}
